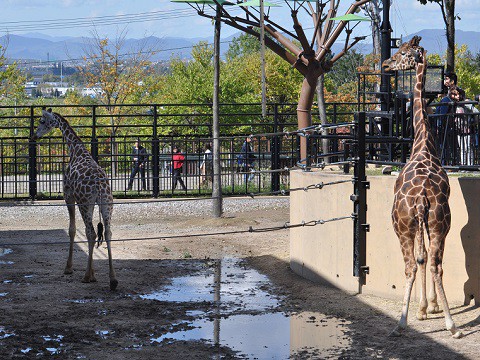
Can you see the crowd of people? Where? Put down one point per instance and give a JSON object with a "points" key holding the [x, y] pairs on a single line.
{"points": [[176, 166], [455, 122]]}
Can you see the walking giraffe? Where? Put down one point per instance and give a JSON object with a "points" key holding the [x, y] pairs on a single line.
{"points": [[85, 183], [421, 199]]}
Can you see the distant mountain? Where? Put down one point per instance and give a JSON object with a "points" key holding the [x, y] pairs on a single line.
{"points": [[35, 46], [41, 47]]}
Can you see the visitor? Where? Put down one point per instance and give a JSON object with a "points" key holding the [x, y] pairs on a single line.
{"points": [[139, 159], [177, 165]]}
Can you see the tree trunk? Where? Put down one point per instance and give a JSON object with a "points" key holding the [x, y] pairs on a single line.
{"points": [[322, 113], [450, 27], [304, 109]]}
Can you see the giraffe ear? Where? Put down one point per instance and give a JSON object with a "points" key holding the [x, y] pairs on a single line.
{"points": [[415, 41]]}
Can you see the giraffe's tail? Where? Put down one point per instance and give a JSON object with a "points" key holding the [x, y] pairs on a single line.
{"points": [[100, 234], [422, 209]]}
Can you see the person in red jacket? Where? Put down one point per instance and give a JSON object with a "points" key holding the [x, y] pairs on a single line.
{"points": [[177, 165]]}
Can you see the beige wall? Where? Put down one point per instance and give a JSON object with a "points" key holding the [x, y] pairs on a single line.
{"points": [[325, 252]]}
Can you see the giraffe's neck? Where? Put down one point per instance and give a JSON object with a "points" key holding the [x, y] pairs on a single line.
{"points": [[74, 143], [423, 138]]}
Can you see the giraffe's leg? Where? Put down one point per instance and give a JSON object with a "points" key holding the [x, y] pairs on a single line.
{"points": [[410, 273], [437, 273], [71, 234], [107, 215], [433, 307], [87, 213], [421, 262]]}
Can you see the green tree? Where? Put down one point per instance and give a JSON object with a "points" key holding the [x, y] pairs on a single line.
{"points": [[447, 7], [115, 75], [12, 81]]}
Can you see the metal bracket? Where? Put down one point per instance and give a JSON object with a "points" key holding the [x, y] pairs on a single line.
{"points": [[365, 227], [365, 269]]}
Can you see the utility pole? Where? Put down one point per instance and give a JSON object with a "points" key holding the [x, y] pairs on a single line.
{"points": [[262, 59], [217, 179]]}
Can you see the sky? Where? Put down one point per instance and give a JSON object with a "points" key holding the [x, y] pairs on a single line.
{"points": [[162, 18]]}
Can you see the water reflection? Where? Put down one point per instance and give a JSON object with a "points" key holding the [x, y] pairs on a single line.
{"points": [[244, 316]]}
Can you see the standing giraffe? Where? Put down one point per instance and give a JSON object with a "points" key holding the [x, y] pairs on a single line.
{"points": [[85, 183], [421, 199]]}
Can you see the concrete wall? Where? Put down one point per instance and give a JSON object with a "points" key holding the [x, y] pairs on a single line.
{"points": [[324, 253]]}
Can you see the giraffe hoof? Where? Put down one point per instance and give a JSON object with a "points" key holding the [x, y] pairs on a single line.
{"points": [[89, 279], [113, 284], [457, 335], [421, 316], [396, 332], [434, 309], [68, 271]]}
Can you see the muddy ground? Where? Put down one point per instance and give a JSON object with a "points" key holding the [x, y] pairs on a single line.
{"points": [[46, 314]]}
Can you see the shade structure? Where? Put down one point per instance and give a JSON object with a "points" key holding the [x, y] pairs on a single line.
{"points": [[256, 3], [350, 17], [208, 2]]}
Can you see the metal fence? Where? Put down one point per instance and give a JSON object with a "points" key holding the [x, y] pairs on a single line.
{"points": [[35, 170]]}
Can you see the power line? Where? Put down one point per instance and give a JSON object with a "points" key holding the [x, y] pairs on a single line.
{"points": [[23, 26]]}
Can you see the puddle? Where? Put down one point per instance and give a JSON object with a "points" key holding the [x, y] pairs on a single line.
{"points": [[3, 262], [4, 251], [230, 283], [3, 294], [85, 301], [263, 333], [269, 336], [103, 333], [4, 334]]}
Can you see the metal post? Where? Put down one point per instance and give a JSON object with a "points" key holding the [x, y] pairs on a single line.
{"points": [[386, 44], [94, 135], [32, 159], [262, 59], [217, 179], [155, 155], [359, 199], [275, 151]]}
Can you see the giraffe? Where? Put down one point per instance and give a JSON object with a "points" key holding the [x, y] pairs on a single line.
{"points": [[421, 197], [85, 183]]}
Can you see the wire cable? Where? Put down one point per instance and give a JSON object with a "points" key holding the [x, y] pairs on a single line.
{"points": [[285, 226]]}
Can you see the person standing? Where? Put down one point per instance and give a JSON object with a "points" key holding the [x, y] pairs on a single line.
{"points": [[139, 158], [206, 166], [177, 165], [247, 159]]}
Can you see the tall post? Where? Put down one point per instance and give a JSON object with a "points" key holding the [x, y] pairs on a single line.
{"points": [[262, 59], [386, 44], [359, 198], [155, 155], [275, 151], [94, 135], [217, 179], [32, 159]]}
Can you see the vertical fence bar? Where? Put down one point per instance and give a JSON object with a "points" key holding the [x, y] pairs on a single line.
{"points": [[275, 152], [32, 159], [94, 134], [359, 199], [155, 155]]}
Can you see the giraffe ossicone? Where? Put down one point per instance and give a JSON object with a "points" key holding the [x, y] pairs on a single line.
{"points": [[85, 184], [420, 204]]}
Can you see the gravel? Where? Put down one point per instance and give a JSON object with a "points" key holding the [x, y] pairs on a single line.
{"points": [[123, 209]]}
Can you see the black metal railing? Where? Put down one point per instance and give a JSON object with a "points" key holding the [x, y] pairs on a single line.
{"points": [[36, 169]]}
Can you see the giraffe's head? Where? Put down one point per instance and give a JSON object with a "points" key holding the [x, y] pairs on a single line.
{"points": [[47, 122], [407, 56]]}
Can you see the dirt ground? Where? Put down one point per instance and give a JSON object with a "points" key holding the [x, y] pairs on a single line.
{"points": [[43, 309]]}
